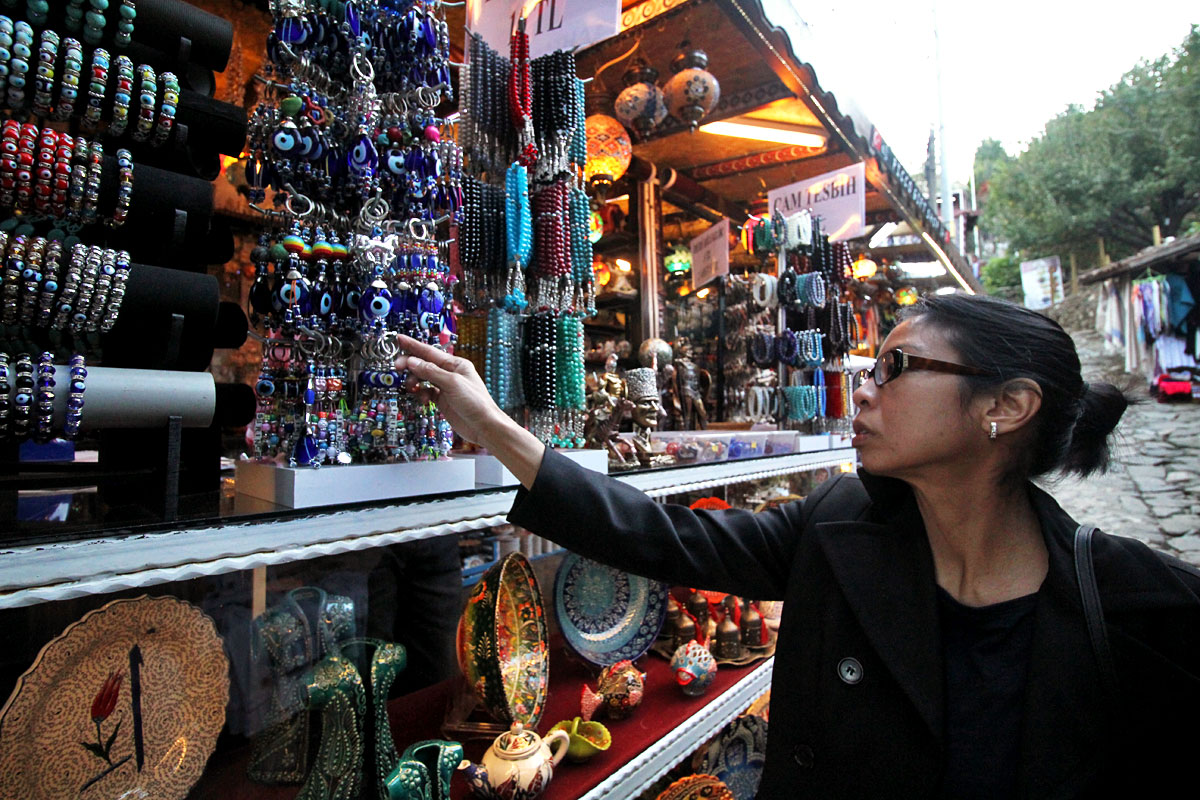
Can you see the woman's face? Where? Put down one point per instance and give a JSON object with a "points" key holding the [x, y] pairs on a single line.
{"points": [[916, 421]]}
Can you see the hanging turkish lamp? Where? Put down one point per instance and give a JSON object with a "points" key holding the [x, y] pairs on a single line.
{"points": [[640, 105], [609, 151], [693, 91], [678, 260]]}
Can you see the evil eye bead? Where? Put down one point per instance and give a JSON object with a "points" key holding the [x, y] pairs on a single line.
{"points": [[394, 161], [265, 387], [362, 158], [376, 302], [285, 138], [387, 379]]}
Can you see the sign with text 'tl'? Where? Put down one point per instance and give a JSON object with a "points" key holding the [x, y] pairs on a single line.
{"points": [[839, 198], [710, 254], [551, 24]]}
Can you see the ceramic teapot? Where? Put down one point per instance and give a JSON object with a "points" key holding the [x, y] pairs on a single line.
{"points": [[518, 765]]}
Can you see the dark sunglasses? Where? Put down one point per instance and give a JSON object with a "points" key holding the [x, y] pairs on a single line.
{"points": [[893, 363]]}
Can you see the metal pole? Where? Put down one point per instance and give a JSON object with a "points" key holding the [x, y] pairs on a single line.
{"points": [[947, 200]]}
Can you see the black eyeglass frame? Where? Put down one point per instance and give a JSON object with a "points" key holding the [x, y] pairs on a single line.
{"points": [[901, 361]]}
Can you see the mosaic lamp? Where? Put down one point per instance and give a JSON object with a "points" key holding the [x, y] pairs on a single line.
{"points": [[609, 150], [692, 92], [640, 104]]}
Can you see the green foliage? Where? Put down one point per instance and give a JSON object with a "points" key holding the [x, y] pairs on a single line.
{"points": [[1115, 171], [1000, 272]]}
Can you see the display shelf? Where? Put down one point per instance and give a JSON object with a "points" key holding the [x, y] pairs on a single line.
{"points": [[40, 573]]}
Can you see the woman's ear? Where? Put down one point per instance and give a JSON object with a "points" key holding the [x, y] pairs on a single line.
{"points": [[1012, 407]]}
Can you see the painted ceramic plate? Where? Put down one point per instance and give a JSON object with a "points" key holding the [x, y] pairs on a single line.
{"points": [[607, 615], [737, 755], [696, 787], [503, 643], [126, 702]]}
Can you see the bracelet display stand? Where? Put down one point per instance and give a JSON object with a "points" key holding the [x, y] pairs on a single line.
{"points": [[305, 487]]}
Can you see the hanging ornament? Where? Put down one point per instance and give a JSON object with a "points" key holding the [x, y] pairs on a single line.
{"points": [[609, 150], [640, 104], [692, 92]]}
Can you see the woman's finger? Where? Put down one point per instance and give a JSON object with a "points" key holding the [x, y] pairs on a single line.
{"points": [[428, 371], [428, 353]]}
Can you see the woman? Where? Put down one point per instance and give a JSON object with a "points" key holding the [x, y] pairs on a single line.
{"points": [[933, 642]]}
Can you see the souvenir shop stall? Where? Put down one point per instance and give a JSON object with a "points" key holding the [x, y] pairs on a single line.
{"points": [[342, 611], [1146, 308]]}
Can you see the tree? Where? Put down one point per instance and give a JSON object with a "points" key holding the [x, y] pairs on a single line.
{"points": [[1001, 271], [1114, 171]]}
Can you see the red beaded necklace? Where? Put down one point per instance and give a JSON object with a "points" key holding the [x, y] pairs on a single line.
{"points": [[520, 95]]}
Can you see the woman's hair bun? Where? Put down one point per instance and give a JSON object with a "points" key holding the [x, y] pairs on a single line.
{"points": [[1100, 409]]}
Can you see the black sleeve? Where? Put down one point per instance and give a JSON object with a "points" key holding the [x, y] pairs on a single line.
{"points": [[735, 551]]}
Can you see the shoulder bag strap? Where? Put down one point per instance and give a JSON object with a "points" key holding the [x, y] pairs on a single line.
{"points": [[1085, 572]]}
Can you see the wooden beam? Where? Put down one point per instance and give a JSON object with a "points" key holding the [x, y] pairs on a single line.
{"points": [[1143, 260], [756, 161]]}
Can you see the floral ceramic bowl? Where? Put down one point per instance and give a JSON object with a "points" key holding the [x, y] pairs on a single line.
{"points": [[503, 644]]}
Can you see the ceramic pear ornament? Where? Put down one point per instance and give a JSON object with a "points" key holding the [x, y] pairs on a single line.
{"points": [[694, 668], [518, 765]]}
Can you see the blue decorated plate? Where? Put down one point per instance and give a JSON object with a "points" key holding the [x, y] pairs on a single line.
{"points": [[607, 615], [737, 755]]}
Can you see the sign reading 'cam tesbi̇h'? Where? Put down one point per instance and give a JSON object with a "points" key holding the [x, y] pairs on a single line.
{"points": [[838, 198]]}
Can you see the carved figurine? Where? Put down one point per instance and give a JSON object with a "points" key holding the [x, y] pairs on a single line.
{"points": [[693, 385], [642, 384], [606, 406]]}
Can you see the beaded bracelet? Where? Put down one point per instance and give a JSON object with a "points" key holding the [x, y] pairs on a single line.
{"points": [[124, 35], [122, 97], [79, 159], [87, 289], [73, 16], [14, 265], [93, 22], [44, 430], [166, 111], [118, 292], [31, 275], [68, 91], [70, 286], [9, 134], [18, 65], [4, 390], [26, 154], [787, 347], [147, 97], [124, 188], [49, 282], [44, 186], [6, 43], [43, 83], [62, 176], [104, 282], [23, 396], [74, 413], [96, 89], [91, 194]]}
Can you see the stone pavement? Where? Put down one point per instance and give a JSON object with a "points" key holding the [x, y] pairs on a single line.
{"points": [[1152, 489]]}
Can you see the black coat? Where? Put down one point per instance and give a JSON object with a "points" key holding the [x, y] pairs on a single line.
{"points": [[856, 571]]}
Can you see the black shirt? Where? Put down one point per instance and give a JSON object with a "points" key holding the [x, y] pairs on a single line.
{"points": [[986, 652]]}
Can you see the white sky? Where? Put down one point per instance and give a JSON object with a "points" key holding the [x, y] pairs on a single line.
{"points": [[1008, 67]]}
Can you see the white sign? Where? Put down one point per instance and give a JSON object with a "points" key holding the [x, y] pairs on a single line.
{"points": [[551, 24], [1042, 282], [838, 198], [710, 254]]}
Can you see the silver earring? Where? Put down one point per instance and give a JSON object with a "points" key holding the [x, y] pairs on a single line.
{"points": [[992, 435]]}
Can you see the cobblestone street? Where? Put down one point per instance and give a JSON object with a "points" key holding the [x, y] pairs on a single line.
{"points": [[1152, 490]]}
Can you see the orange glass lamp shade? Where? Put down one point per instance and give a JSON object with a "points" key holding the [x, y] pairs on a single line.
{"points": [[906, 295], [864, 268], [609, 150], [602, 272]]}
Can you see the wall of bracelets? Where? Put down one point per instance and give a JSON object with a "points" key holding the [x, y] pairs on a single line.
{"points": [[523, 241], [815, 327], [73, 106], [355, 170]]}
